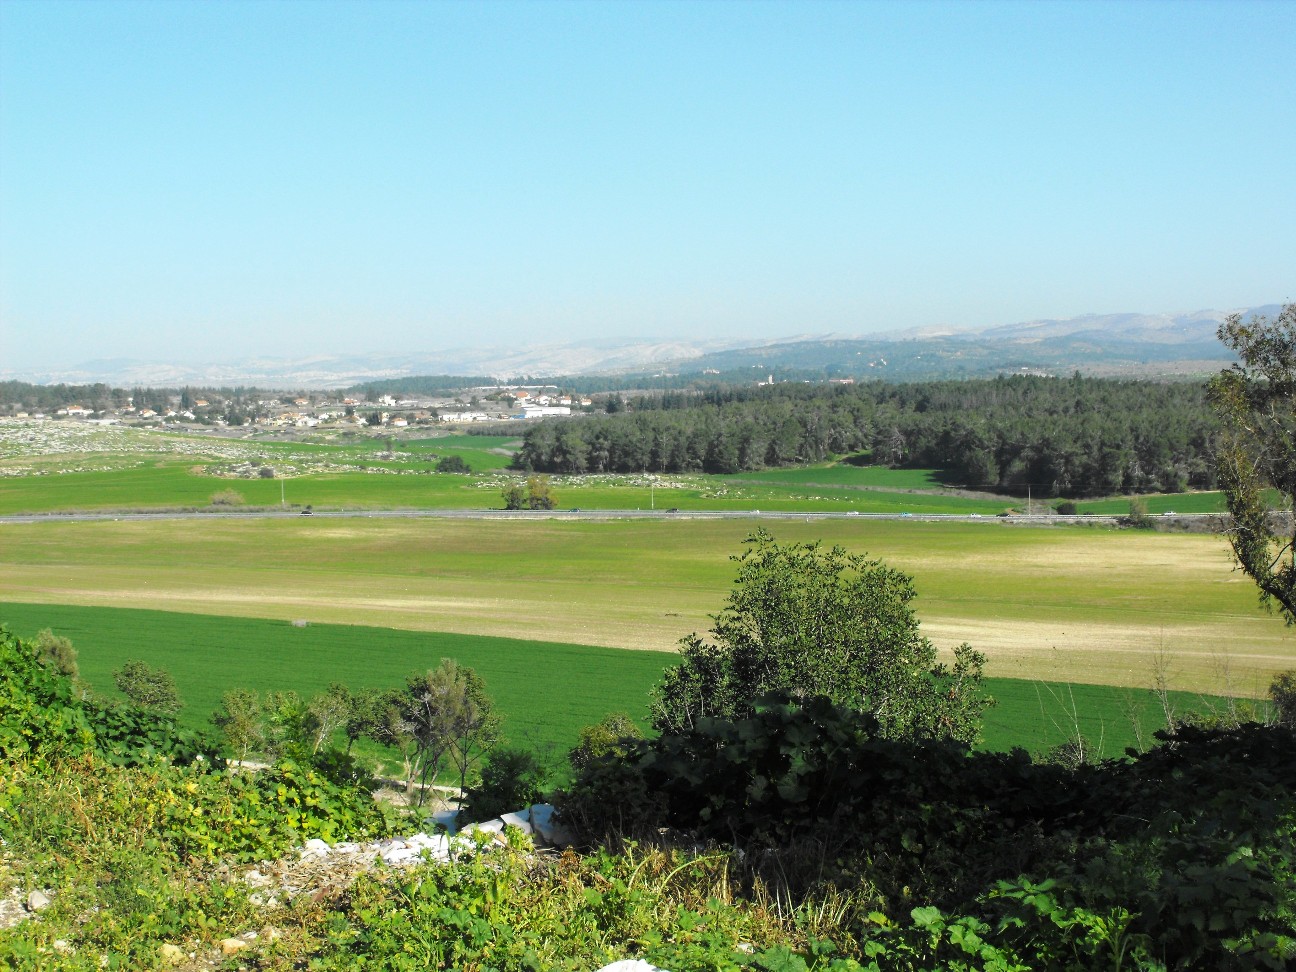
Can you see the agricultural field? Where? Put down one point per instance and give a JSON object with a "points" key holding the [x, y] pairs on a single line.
{"points": [[547, 691], [1101, 610], [57, 466], [1074, 604]]}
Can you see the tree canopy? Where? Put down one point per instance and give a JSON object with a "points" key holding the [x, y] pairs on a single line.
{"points": [[1255, 454], [1058, 436], [810, 621]]}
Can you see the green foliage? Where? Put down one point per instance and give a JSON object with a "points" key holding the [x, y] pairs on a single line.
{"points": [[814, 622], [41, 717], [537, 494], [240, 720], [148, 687], [1058, 436], [613, 735], [441, 719], [1181, 858], [511, 779], [1255, 453], [453, 464], [1138, 513], [56, 652], [1282, 692], [44, 717]]}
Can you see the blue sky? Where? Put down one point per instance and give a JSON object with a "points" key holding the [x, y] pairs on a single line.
{"points": [[208, 181]]}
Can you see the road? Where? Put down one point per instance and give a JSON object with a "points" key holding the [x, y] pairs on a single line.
{"points": [[593, 515]]}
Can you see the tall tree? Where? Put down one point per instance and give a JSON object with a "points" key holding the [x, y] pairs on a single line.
{"points": [[810, 622], [1255, 454], [148, 687]]}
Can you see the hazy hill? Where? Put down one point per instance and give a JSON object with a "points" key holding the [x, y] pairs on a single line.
{"points": [[1160, 344]]}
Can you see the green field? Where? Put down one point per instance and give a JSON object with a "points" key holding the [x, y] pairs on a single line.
{"points": [[47, 467], [1074, 604], [1200, 502], [1063, 604], [845, 474], [547, 691], [55, 466]]}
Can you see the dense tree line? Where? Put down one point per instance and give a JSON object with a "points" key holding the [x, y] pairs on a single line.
{"points": [[1061, 436]]}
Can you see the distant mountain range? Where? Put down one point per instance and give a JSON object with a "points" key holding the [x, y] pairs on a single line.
{"points": [[1144, 344]]}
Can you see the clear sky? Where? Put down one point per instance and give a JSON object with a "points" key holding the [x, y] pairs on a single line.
{"points": [[208, 181]]}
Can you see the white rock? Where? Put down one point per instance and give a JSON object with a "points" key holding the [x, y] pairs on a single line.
{"points": [[38, 901], [445, 818], [631, 965], [495, 826], [400, 855], [518, 820], [544, 820], [315, 846]]}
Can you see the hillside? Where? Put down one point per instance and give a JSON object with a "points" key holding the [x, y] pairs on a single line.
{"points": [[1122, 343]]}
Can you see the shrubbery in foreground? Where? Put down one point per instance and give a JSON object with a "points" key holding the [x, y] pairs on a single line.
{"points": [[795, 839]]}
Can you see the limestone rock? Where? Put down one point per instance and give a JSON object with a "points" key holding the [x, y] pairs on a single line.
{"points": [[171, 954], [38, 901]]}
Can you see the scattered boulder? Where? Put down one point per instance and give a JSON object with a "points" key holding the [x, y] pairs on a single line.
{"points": [[171, 954], [38, 901]]}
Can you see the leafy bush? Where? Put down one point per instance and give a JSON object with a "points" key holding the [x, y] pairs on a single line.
{"points": [[453, 464], [511, 779], [810, 621], [614, 734], [1181, 857]]}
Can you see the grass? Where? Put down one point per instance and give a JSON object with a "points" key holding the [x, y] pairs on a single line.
{"points": [[1074, 604], [1199, 502], [547, 690], [56, 466], [844, 474]]}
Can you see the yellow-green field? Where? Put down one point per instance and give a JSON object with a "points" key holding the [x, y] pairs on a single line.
{"points": [[1074, 604]]}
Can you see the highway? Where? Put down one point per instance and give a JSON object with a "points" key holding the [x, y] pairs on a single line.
{"points": [[573, 514]]}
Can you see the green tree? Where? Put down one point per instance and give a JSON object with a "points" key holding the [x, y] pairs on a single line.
{"points": [[1282, 692], [241, 720], [811, 622], [149, 688], [286, 726], [326, 713], [1255, 451], [514, 496], [475, 728], [445, 713], [535, 495], [56, 652], [453, 464], [539, 495]]}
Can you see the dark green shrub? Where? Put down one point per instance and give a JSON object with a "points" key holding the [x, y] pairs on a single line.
{"points": [[511, 779]]}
